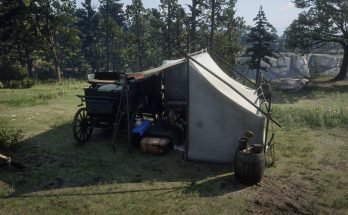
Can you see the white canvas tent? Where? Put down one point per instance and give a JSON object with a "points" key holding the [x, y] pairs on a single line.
{"points": [[217, 116]]}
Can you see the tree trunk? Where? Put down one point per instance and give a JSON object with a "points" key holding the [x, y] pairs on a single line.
{"points": [[169, 26], [193, 20], [53, 49], [212, 23], [29, 59], [342, 75], [139, 46], [107, 36], [258, 73], [112, 52], [56, 63], [257, 79]]}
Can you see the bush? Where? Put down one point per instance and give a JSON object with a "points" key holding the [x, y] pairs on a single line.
{"points": [[28, 83], [14, 76], [44, 70], [19, 84], [9, 138], [12, 71], [13, 84]]}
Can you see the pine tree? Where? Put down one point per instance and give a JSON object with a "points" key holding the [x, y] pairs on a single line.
{"points": [[154, 38], [260, 37], [112, 21], [88, 25], [135, 13], [196, 10], [60, 37], [19, 35], [227, 39]]}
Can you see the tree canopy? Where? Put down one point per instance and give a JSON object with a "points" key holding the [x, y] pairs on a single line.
{"points": [[55, 36], [322, 21]]}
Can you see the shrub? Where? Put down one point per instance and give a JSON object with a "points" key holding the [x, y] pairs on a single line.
{"points": [[9, 138], [12, 71], [18, 84], [13, 84], [28, 83], [44, 70]]}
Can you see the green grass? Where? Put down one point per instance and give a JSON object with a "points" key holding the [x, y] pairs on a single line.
{"points": [[311, 116], [40, 93], [310, 175]]}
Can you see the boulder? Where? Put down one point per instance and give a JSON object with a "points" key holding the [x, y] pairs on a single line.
{"points": [[293, 85], [321, 64], [288, 65], [291, 65]]}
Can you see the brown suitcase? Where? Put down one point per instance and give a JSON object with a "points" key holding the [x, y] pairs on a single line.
{"points": [[154, 145]]}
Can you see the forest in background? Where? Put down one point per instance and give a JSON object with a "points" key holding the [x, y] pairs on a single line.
{"points": [[44, 39]]}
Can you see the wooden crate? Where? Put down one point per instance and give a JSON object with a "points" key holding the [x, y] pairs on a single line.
{"points": [[155, 145]]}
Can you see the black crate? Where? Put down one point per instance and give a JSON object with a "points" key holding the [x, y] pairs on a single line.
{"points": [[101, 102]]}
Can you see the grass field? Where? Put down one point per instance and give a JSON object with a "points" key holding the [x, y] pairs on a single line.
{"points": [[310, 176]]}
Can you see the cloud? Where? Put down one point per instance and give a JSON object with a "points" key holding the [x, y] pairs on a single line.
{"points": [[287, 7]]}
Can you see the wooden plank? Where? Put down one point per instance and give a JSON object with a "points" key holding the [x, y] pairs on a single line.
{"points": [[97, 81]]}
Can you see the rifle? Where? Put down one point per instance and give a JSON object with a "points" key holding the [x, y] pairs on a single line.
{"points": [[9, 161]]}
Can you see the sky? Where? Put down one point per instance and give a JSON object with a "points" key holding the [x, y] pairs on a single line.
{"points": [[280, 13]]}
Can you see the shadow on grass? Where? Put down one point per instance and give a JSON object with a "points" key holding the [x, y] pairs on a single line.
{"points": [[310, 93], [53, 161]]}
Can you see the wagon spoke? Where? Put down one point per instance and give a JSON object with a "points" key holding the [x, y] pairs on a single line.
{"points": [[82, 135], [85, 135], [78, 131], [89, 129], [84, 114], [82, 125], [80, 116]]}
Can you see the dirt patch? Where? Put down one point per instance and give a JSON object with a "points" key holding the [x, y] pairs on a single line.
{"points": [[276, 195]]}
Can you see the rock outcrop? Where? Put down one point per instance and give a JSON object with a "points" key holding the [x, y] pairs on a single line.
{"points": [[293, 85], [320, 64], [291, 65]]}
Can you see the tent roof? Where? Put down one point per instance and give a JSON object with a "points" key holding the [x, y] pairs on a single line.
{"points": [[166, 64], [227, 91], [205, 59]]}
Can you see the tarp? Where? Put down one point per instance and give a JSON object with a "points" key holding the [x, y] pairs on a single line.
{"points": [[210, 64], [166, 64], [217, 116]]}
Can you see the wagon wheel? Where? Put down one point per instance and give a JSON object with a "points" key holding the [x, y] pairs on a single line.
{"points": [[82, 126]]}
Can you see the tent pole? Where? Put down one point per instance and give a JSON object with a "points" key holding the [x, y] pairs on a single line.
{"points": [[128, 115], [187, 111], [188, 57], [232, 68], [267, 123]]}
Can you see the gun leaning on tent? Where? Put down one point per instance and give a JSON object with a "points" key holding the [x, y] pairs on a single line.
{"points": [[7, 160]]}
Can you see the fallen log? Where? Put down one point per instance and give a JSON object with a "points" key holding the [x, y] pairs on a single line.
{"points": [[7, 160]]}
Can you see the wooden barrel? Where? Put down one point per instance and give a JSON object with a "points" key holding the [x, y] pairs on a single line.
{"points": [[249, 167]]}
